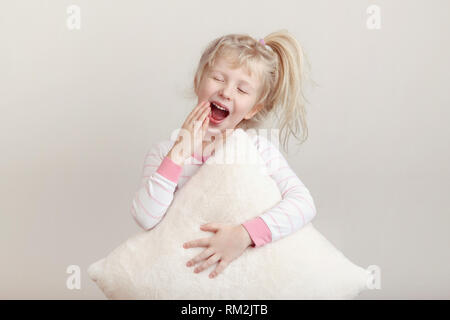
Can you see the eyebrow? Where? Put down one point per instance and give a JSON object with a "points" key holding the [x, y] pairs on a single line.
{"points": [[243, 81]]}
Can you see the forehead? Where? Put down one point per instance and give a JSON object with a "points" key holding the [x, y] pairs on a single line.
{"points": [[226, 67]]}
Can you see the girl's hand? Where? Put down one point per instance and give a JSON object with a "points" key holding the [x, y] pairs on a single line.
{"points": [[228, 243], [192, 132]]}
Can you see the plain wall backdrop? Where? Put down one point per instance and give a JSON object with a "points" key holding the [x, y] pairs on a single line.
{"points": [[80, 108]]}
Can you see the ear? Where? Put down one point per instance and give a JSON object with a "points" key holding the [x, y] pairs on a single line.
{"points": [[254, 111]]}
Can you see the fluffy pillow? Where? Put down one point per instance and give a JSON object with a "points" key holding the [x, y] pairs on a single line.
{"points": [[227, 188]]}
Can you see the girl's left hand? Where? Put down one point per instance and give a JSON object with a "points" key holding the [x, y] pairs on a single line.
{"points": [[228, 243]]}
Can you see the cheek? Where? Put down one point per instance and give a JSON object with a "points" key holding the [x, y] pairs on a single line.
{"points": [[243, 109], [238, 114], [209, 86], [204, 89]]}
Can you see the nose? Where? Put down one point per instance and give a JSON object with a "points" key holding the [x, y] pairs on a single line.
{"points": [[225, 92]]}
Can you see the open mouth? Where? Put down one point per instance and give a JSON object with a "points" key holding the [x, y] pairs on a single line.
{"points": [[218, 114]]}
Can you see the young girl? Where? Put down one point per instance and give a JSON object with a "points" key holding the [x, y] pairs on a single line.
{"points": [[239, 82]]}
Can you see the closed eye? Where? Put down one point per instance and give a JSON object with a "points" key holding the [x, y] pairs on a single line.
{"points": [[222, 81]]}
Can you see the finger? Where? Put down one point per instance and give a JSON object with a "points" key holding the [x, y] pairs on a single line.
{"points": [[197, 110], [196, 125], [205, 126], [205, 113], [219, 269], [210, 226], [204, 242], [202, 113], [202, 256], [205, 265], [201, 120]]}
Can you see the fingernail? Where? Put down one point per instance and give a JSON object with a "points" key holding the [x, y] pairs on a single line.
{"points": [[188, 264]]}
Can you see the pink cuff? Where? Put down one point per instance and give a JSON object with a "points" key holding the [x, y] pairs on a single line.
{"points": [[170, 169], [258, 231]]}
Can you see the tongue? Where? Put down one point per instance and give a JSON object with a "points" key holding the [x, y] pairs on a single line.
{"points": [[218, 114]]}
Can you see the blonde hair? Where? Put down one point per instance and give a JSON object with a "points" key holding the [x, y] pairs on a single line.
{"points": [[281, 67]]}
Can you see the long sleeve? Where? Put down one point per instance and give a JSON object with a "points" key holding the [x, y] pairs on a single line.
{"points": [[160, 177], [295, 209]]}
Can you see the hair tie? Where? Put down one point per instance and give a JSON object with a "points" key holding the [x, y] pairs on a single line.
{"points": [[265, 45]]}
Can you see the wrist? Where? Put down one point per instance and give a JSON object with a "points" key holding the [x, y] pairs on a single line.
{"points": [[175, 156], [248, 240]]}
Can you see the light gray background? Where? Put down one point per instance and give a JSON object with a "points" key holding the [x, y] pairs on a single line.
{"points": [[79, 109]]}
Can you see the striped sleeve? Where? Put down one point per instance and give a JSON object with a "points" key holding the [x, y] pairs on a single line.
{"points": [[160, 177], [295, 209]]}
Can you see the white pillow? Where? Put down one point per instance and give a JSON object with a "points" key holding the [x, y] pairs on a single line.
{"points": [[152, 264]]}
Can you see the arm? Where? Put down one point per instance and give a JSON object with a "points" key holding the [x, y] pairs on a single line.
{"points": [[295, 209], [160, 176]]}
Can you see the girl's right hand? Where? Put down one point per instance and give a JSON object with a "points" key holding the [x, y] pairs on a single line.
{"points": [[191, 135]]}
